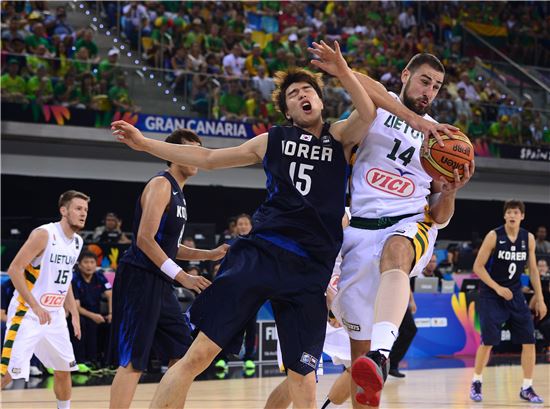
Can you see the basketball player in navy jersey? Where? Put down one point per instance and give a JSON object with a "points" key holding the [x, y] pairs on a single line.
{"points": [[289, 255], [501, 260], [146, 312]]}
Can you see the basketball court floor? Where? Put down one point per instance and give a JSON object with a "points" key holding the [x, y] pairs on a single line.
{"points": [[444, 387]]}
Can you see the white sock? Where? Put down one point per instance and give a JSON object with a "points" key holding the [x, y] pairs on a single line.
{"points": [[527, 383], [63, 404], [477, 378], [384, 335]]}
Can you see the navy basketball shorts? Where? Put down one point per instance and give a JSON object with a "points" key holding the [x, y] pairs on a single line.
{"points": [[494, 311], [252, 272], [146, 316]]}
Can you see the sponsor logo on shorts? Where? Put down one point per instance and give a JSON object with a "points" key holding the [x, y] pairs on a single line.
{"points": [[72, 363], [16, 371], [350, 326], [52, 300], [309, 360], [391, 183]]}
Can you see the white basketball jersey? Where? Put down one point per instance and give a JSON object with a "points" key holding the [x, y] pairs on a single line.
{"points": [[387, 177], [50, 274]]}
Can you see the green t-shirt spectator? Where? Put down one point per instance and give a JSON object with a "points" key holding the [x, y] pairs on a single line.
{"points": [[232, 103], [119, 94], [105, 66], [16, 84], [34, 84], [496, 132], [476, 131], [294, 49], [271, 48], [34, 61], [60, 89], [237, 26], [82, 66], [277, 65], [34, 41], [90, 45], [213, 43]]}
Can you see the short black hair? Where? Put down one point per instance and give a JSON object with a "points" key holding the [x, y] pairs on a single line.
{"points": [[514, 204], [425, 58], [284, 79], [181, 135], [87, 254]]}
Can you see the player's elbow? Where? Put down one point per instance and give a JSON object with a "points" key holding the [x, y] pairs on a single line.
{"points": [[144, 241]]}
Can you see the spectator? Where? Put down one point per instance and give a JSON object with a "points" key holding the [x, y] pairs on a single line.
{"points": [[254, 61], [38, 37], [233, 63], [462, 122], [477, 128], [246, 43], [499, 131], [87, 41], [270, 50], [264, 84], [39, 87], [162, 41], [212, 41], [66, 91], [61, 65], [41, 57], [89, 287], [88, 93], [16, 50], [470, 90], [407, 20], [443, 107], [542, 265], [56, 25], [462, 105], [181, 66], [431, 269], [232, 104], [14, 31], [292, 46], [133, 13], [108, 68], [82, 63], [195, 57], [13, 85], [111, 231], [279, 63], [542, 245], [119, 97]]}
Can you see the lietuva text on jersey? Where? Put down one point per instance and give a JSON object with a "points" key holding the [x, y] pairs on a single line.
{"points": [[306, 192], [395, 122], [62, 259]]}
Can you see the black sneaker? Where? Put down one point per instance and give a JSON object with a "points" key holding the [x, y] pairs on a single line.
{"points": [[369, 372], [395, 372]]}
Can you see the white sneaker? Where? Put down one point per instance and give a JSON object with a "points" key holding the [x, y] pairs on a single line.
{"points": [[34, 371]]}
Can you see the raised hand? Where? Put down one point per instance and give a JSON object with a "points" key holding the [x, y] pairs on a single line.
{"points": [[129, 134], [432, 129], [331, 61]]}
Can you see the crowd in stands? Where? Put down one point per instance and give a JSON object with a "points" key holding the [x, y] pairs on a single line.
{"points": [[47, 61], [222, 56]]}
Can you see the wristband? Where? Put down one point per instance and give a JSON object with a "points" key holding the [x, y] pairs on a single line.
{"points": [[170, 268]]}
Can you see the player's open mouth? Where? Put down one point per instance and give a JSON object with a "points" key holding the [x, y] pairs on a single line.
{"points": [[306, 106], [423, 102]]}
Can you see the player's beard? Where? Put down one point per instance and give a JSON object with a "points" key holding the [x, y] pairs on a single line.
{"points": [[411, 102]]}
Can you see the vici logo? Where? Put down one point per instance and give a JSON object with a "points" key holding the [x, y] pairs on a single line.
{"points": [[52, 300], [390, 182]]}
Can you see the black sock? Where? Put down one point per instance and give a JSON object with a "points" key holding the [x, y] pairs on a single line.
{"points": [[327, 402]]}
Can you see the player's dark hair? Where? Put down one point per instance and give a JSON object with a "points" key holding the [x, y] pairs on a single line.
{"points": [[181, 136], [87, 254], [244, 216], [69, 195], [425, 58], [514, 204], [284, 79]]}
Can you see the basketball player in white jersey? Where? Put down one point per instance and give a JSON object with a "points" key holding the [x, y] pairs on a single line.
{"points": [[393, 228], [42, 273]]}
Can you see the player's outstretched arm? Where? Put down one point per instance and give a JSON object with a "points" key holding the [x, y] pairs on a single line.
{"points": [[248, 153], [534, 276], [487, 247], [384, 100], [34, 246], [188, 253]]}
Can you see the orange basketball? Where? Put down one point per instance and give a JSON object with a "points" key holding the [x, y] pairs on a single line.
{"points": [[443, 160]]}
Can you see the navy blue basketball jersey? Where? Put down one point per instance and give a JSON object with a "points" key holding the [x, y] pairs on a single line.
{"points": [[507, 262], [306, 188], [169, 233]]}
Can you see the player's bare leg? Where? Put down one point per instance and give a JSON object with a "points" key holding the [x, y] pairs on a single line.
{"points": [[174, 386], [62, 386], [392, 300], [302, 389], [482, 358], [124, 386], [528, 357], [340, 391], [279, 397], [358, 349]]}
